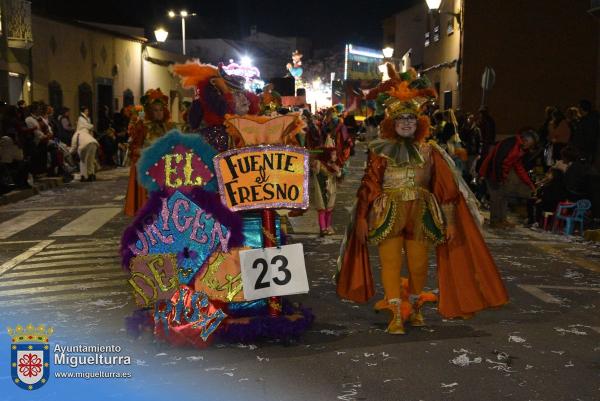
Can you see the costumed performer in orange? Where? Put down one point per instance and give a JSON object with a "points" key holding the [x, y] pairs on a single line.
{"points": [[143, 133], [411, 199]]}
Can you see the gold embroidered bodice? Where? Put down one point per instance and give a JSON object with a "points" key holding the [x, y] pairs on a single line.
{"points": [[409, 179]]}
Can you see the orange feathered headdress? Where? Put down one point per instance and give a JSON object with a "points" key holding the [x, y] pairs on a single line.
{"points": [[403, 93], [404, 86]]}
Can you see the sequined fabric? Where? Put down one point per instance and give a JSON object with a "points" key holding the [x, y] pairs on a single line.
{"points": [[216, 136]]}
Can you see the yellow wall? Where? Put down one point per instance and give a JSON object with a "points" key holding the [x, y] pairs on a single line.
{"points": [[121, 63]]}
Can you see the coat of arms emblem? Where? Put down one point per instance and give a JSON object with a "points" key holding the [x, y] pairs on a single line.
{"points": [[30, 355]]}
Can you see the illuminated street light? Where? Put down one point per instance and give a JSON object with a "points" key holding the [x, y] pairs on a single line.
{"points": [[388, 52], [183, 14], [161, 34], [434, 4]]}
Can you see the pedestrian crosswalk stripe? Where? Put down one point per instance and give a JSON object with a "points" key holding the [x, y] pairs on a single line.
{"points": [[119, 197], [85, 244], [18, 274], [23, 222], [87, 255], [96, 248], [49, 281], [78, 287], [6, 266], [64, 298], [88, 223], [11, 208], [96, 262]]}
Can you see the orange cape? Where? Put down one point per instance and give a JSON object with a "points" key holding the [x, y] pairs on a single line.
{"points": [[468, 278]]}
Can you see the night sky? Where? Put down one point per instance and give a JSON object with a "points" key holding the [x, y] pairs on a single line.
{"points": [[329, 23]]}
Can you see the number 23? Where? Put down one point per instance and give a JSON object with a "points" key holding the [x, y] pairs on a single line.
{"points": [[260, 283]]}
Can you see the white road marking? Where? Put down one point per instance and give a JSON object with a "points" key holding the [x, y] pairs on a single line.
{"points": [[96, 248], [536, 291], [59, 207], [88, 223], [119, 198], [83, 245], [540, 294], [87, 255], [6, 266], [75, 278], [76, 287], [18, 242], [18, 274], [23, 222], [68, 299], [96, 262]]}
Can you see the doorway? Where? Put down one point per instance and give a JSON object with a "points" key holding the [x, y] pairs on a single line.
{"points": [[104, 99]]}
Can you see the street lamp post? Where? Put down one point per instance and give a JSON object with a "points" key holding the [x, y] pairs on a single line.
{"points": [[183, 14], [388, 57]]}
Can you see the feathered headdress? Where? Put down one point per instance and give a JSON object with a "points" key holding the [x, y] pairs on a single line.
{"points": [[153, 96], [402, 93]]}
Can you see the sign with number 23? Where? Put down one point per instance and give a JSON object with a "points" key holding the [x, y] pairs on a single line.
{"points": [[272, 272]]}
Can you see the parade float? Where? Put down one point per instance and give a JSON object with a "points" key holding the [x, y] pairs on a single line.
{"points": [[207, 256]]}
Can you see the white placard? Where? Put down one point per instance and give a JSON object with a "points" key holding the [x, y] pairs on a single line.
{"points": [[270, 272]]}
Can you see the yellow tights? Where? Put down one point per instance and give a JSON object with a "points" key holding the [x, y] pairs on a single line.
{"points": [[391, 258]]}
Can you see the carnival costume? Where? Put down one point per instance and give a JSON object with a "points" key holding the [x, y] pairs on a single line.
{"points": [[183, 249], [411, 199], [216, 94], [324, 177], [142, 133]]}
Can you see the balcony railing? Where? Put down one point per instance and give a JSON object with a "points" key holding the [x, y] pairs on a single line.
{"points": [[17, 23]]}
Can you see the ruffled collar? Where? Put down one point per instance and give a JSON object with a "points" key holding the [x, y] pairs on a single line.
{"points": [[401, 152]]}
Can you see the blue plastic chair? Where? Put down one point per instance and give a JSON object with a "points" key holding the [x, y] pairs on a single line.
{"points": [[578, 215]]}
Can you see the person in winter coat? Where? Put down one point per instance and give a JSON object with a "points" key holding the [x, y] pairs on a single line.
{"points": [[84, 123], [86, 146]]}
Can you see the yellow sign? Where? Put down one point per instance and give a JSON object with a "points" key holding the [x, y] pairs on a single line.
{"points": [[263, 177]]}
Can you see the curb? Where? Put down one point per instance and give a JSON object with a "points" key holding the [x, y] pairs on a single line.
{"points": [[42, 184]]}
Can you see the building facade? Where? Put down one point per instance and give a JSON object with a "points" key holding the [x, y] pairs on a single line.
{"points": [[71, 64], [75, 64], [16, 40], [543, 53]]}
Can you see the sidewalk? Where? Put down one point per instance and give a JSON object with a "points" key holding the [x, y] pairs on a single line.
{"points": [[46, 183], [41, 184]]}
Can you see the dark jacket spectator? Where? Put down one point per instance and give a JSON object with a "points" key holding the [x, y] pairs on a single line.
{"points": [[65, 129], [505, 157], [586, 139], [487, 126]]}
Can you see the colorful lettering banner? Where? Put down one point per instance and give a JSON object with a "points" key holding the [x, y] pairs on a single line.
{"points": [[153, 277], [183, 228], [263, 177]]}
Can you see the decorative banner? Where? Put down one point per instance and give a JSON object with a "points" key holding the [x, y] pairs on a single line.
{"points": [[264, 130], [153, 277], [184, 228], [177, 162], [222, 279], [188, 314], [263, 177], [272, 272], [180, 170]]}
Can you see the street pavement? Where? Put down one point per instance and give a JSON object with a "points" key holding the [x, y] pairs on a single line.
{"points": [[59, 265]]}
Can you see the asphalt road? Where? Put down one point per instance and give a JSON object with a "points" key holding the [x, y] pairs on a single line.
{"points": [[59, 265]]}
